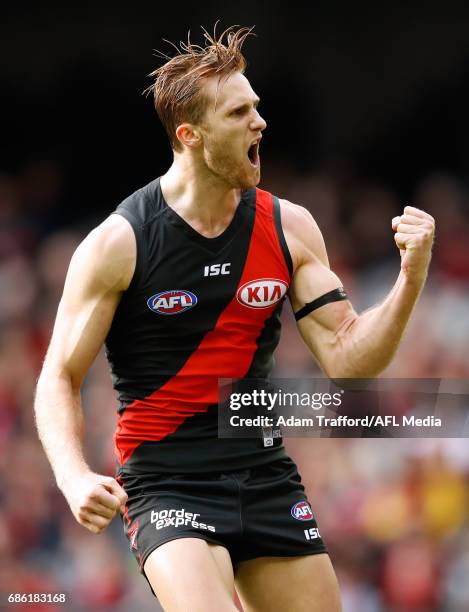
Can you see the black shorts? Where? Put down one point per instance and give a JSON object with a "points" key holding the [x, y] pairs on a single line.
{"points": [[256, 512]]}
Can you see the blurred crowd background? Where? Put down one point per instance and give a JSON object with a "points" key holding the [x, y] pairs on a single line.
{"points": [[366, 113]]}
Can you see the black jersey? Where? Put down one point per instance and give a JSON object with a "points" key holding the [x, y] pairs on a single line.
{"points": [[197, 310]]}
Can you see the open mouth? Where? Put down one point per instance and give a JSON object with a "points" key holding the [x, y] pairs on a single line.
{"points": [[253, 154]]}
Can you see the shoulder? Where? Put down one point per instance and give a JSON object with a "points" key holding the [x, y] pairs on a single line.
{"points": [[107, 255], [294, 217], [141, 204], [302, 233]]}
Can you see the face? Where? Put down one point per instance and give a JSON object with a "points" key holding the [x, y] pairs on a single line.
{"points": [[231, 132]]}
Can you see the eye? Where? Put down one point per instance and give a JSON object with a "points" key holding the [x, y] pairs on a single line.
{"points": [[238, 112]]}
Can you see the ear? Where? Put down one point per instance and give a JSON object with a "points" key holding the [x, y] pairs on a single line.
{"points": [[188, 135]]}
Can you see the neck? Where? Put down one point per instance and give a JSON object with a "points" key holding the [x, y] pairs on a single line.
{"points": [[198, 196]]}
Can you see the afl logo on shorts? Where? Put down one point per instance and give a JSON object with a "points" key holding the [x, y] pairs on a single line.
{"points": [[262, 293], [301, 511], [172, 302]]}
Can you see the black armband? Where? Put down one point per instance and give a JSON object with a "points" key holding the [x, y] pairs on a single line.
{"points": [[336, 295]]}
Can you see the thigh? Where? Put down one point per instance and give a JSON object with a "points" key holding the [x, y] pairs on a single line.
{"points": [[290, 584], [191, 574]]}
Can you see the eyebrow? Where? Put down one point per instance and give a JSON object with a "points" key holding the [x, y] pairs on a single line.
{"points": [[254, 101]]}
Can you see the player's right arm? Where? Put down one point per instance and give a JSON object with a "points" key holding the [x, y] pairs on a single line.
{"points": [[100, 270]]}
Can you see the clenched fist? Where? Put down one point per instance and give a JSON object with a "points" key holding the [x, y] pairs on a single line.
{"points": [[415, 230], [94, 500]]}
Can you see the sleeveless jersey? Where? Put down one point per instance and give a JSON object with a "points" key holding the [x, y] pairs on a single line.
{"points": [[197, 310]]}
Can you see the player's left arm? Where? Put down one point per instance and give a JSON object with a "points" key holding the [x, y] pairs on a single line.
{"points": [[348, 345]]}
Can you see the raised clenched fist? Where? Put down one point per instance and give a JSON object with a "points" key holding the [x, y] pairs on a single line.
{"points": [[415, 230]]}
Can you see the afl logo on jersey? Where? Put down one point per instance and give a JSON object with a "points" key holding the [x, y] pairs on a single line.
{"points": [[262, 293], [172, 302], [301, 511]]}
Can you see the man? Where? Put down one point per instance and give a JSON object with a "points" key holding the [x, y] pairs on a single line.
{"points": [[185, 285]]}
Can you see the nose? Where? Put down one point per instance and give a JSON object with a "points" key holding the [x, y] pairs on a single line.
{"points": [[258, 123]]}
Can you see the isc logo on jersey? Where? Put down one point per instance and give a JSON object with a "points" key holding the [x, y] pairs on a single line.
{"points": [[262, 293], [172, 302], [301, 511]]}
